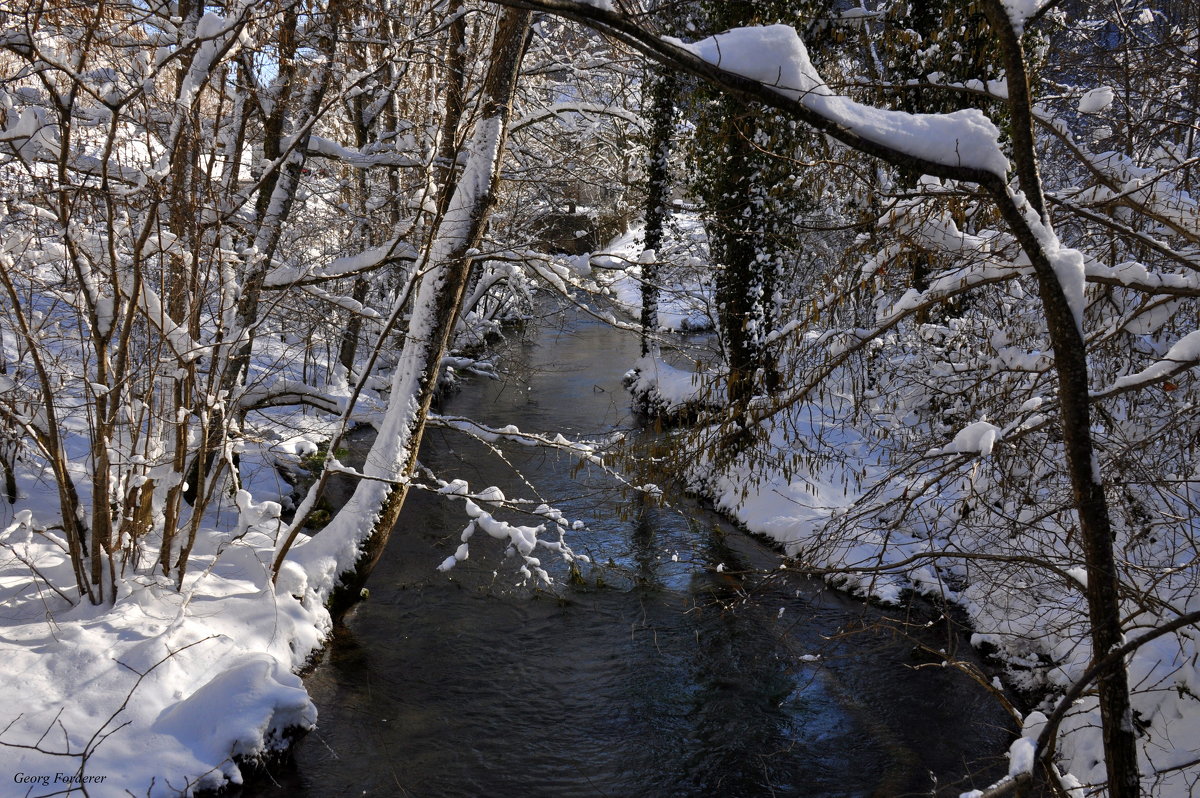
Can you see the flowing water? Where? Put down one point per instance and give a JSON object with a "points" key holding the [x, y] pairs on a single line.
{"points": [[658, 675]]}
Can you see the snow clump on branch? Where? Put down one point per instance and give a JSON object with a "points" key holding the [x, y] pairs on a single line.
{"points": [[775, 56]]}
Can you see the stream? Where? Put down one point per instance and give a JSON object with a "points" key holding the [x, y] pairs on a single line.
{"points": [[658, 675]]}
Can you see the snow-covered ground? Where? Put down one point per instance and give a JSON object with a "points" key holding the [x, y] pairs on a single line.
{"points": [[160, 693], [685, 292]]}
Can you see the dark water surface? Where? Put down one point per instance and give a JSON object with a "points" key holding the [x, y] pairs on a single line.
{"points": [[660, 676]]}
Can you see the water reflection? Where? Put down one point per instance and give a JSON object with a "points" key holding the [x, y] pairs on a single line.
{"points": [[660, 675]]}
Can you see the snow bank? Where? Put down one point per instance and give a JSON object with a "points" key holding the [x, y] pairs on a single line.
{"points": [[162, 692], [226, 715], [667, 390], [1035, 619], [794, 509]]}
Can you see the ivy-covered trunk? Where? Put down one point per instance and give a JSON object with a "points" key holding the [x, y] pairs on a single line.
{"points": [[751, 197], [745, 270], [663, 84]]}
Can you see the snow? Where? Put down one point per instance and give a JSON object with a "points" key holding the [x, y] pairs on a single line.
{"points": [[1068, 263], [335, 551], [209, 669], [1184, 352], [1019, 11], [813, 512], [214, 32], [666, 387], [978, 437], [684, 299], [1021, 757], [229, 708], [159, 694], [776, 56], [1096, 100], [1147, 186], [318, 145], [1022, 752], [371, 258], [522, 540], [793, 509], [164, 688]]}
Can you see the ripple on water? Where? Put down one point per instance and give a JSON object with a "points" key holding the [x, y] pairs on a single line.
{"points": [[659, 677]]}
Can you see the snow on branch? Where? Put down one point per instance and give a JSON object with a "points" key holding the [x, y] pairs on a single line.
{"points": [[348, 304], [843, 344], [357, 159], [776, 57], [1146, 189], [522, 540], [560, 108], [394, 249], [1183, 355], [176, 335], [290, 392], [1136, 276], [560, 279], [771, 65], [590, 452]]}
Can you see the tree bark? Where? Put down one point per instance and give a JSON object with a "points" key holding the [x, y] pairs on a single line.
{"points": [[1070, 361], [379, 499], [658, 193], [455, 105], [744, 284]]}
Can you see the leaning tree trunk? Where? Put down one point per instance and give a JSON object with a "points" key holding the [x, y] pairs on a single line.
{"points": [[345, 552]]}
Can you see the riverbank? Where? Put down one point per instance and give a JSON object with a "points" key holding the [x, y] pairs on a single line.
{"points": [[825, 502], [171, 688], [165, 691]]}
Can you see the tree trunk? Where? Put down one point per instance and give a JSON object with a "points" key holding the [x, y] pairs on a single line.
{"points": [[455, 105], [1070, 361], [744, 284], [658, 193], [363, 235], [346, 551]]}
